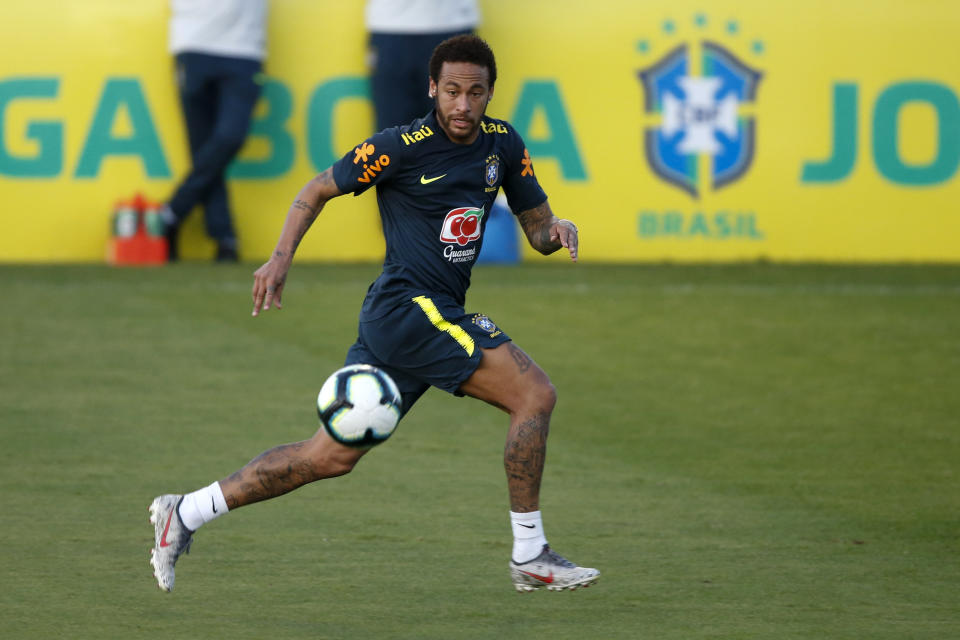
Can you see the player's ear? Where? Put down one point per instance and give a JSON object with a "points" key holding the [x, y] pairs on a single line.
{"points": [[432, 89]]}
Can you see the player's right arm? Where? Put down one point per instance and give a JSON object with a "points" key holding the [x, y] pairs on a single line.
{"points": [[269, 279]]}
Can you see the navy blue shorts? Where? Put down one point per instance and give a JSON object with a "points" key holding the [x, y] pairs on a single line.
{"points": [[424, 342]]}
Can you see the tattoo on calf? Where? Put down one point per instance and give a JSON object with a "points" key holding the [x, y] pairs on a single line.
{"points": [[523, 459], [272, 473]]}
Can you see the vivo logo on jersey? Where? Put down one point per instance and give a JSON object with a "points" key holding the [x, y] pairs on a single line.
{"points": [[461, 226], [371, 170]]}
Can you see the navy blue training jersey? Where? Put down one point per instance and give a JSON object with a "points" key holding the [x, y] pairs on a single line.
{"points": [[435, 198]]}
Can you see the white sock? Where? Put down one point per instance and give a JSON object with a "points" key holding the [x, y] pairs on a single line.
{"points": [[528, 536], [202, 506]]}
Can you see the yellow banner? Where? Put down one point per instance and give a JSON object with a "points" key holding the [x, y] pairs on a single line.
{"points": [[666, 130], [89, 114], [738, 130]]}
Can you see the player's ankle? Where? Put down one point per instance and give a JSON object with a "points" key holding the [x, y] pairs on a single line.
{"points": [[200, 507], [528, 536]]}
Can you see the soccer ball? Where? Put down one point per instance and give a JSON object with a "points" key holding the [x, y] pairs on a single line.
{"points": [[359, 406]]}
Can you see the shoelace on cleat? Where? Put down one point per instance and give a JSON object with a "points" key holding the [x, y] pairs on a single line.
{"points": [[559, 559]]}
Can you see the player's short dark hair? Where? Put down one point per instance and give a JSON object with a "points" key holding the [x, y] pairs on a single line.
{"points": [[463, 48]]}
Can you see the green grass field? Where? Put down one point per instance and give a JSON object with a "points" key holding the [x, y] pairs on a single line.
{"points": [[745, 451]]}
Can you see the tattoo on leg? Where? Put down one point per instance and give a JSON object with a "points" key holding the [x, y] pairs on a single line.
{"points": [[523, 459], [271, 474], [523, 360]]}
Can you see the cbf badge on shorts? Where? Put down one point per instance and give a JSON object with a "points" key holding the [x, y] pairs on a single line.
{"points": [[486, 324]]}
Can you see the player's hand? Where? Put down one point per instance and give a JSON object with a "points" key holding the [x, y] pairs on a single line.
{"points": [[566, 232], [268, 283]]}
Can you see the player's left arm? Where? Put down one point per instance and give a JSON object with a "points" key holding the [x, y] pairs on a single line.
{"points": [[547, 233]]}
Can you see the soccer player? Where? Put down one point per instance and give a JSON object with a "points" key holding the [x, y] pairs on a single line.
{"points": [[436, 180]]}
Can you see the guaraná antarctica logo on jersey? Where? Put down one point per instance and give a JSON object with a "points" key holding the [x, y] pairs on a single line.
{"points": [[697, 96], [461, 226]]}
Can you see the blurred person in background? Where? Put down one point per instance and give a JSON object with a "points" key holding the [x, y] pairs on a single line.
{"points": [[219, 48], [402, 36]]}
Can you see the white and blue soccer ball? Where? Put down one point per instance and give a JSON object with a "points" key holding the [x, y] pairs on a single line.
{"points": [[359, 405]]}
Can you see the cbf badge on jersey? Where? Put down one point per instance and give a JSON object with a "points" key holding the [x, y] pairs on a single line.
{"points": [[491, 173]]}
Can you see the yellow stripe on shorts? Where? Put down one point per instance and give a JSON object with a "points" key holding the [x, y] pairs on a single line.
{"points": [[456, 331]]}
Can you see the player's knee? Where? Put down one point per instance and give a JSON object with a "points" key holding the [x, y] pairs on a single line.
{"points": [[550, 395], [330, 459], [339, 467], [542, 396]]}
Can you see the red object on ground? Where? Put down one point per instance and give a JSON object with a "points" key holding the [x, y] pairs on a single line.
{"points": [[137, 236]]}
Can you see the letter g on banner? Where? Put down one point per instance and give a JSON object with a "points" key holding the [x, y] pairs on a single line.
{"points": [[48, 135]]}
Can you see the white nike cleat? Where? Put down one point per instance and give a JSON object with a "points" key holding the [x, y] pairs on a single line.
{"points": [[170, 538], [553, 571]]}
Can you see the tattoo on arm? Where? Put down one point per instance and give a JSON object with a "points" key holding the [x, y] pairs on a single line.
{"points": [[327, 187], [302, 231], [536, 225], [305, 222], [303, 206]]}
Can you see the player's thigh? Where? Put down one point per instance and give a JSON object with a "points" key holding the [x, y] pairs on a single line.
{"points": [[508, 378]]}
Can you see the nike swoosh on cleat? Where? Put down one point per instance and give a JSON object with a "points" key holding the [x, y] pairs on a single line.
{"points": [[544, 579], [163, 538], [425, 180]]}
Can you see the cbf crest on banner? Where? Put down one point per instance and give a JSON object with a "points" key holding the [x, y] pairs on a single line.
{"points": [[697, 90]]}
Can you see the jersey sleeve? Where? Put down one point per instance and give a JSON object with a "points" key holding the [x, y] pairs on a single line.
{"points": [[369, 163], [520, 184]]}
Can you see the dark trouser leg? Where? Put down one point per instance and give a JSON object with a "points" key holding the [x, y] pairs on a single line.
{"points": [[218, 96]]}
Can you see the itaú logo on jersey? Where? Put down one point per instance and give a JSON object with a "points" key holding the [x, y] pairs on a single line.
{"points": [[461, 226]]}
